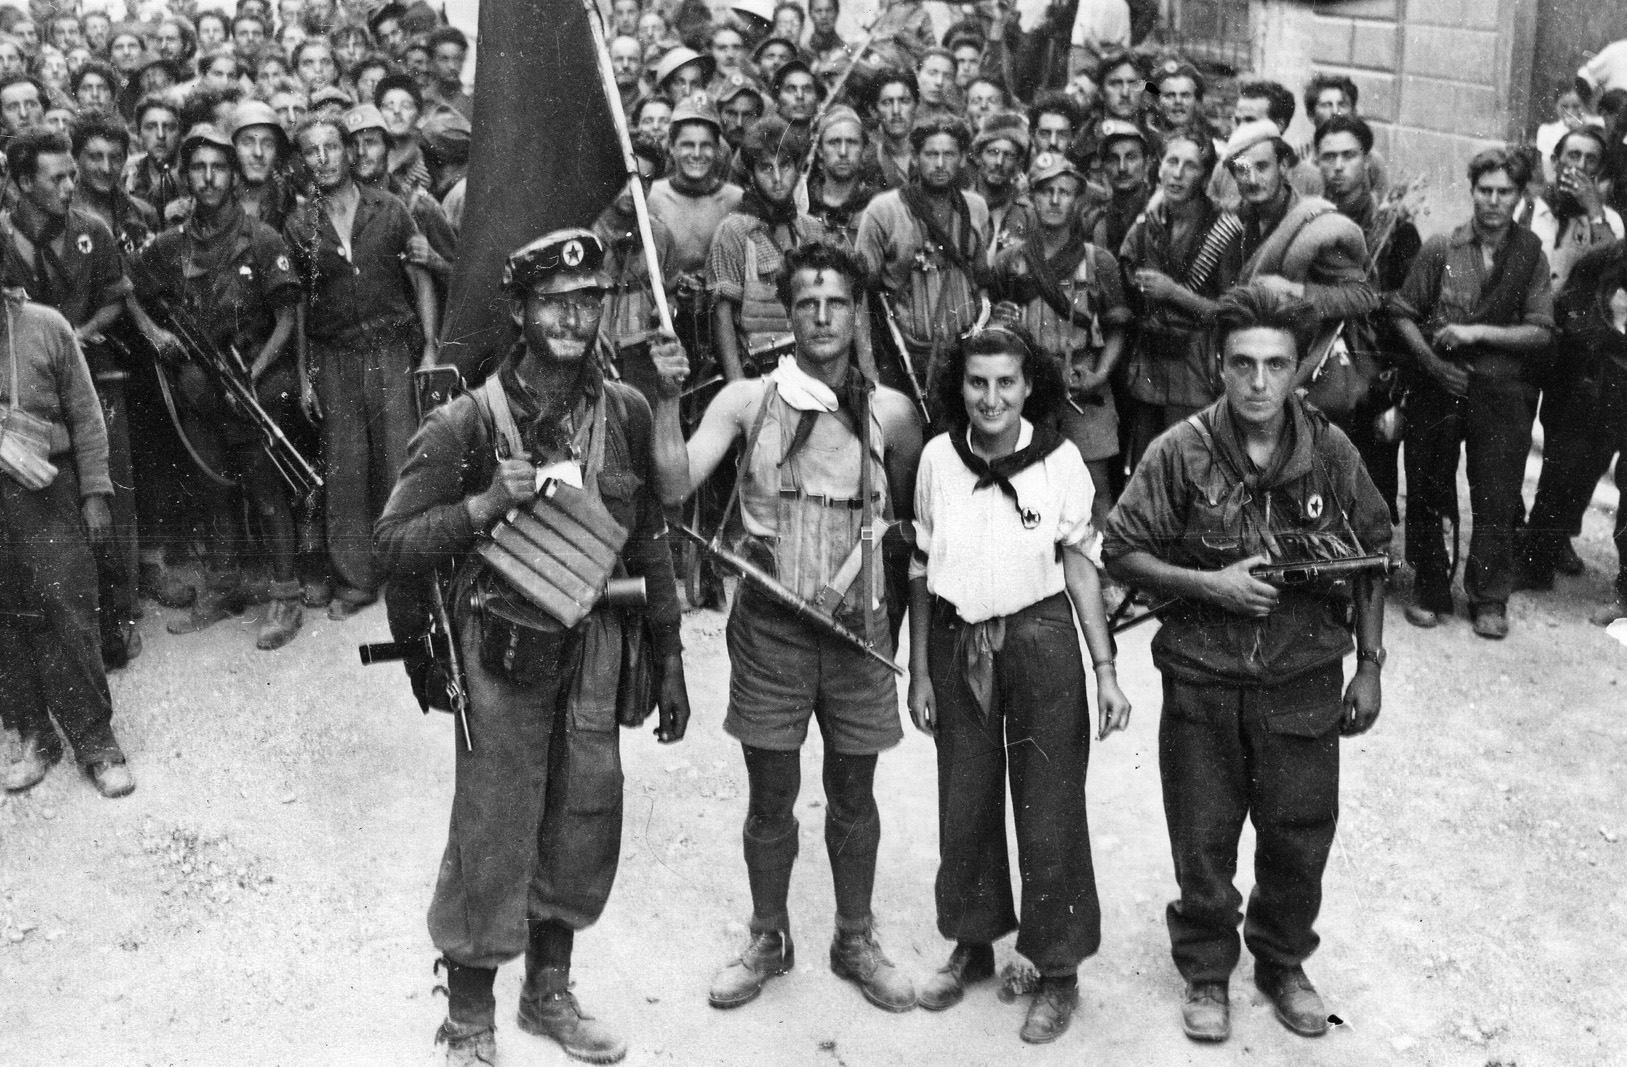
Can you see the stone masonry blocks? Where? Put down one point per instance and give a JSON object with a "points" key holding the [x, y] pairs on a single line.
{"points": [[1332, 41], [1456, 54]]}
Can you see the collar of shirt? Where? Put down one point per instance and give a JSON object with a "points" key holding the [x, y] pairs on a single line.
{"points": [[1025, 437]]}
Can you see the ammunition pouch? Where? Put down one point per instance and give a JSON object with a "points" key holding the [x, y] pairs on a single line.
{"points": [[521, 645]]}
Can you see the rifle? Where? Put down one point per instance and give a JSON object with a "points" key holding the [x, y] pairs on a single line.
{"points": [[904, 356], [770, 587], [230, 377], [438, 644], [1278, 575], [831, 95]]}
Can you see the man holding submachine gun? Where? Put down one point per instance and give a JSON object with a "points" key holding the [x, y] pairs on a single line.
{"points": [[1237, 513], [535, 492]]}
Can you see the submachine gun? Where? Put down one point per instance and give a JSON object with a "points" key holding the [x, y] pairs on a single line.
{"points": [[1289, 575]]}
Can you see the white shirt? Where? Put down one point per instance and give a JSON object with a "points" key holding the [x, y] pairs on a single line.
{"points": [[1581, 237], [1101, 24], [982, 556]]}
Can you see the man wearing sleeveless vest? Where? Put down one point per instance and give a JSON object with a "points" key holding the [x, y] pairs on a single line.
{"points": [[804, 507], [750, 245], [536, 808]]}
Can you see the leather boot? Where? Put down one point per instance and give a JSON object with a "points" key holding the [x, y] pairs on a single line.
{"points": [[770, 954], [283, 618], [1051, 1010], [857, 956], [222, 598], [1298, 1005], [970, 962], [549, 1009], [1206, 1015], [40, 753]]}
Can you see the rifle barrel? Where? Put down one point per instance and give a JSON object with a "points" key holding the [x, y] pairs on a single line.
{"points": [[768, 585]]}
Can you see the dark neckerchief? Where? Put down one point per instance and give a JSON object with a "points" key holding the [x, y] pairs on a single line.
{"points": [[753, 203], [961, 249], [1045, 273], [1000, 471], [49, 273], [545, 421]]}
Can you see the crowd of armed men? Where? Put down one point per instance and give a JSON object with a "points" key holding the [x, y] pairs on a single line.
{"points": [[986, 331]]}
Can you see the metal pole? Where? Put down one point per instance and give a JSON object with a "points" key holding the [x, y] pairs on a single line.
{"points": [[635, 184]]}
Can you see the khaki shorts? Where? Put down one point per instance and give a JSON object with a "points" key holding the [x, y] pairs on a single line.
{"points": [[783, 672]]}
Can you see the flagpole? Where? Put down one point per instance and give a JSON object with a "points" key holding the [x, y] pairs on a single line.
{"points": [[635, 184]]}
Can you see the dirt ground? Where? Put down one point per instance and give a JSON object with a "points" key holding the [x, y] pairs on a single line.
{"points": [[260, 899]]}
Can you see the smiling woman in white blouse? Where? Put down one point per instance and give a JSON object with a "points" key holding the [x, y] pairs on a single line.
{"points": [[1004, 546]]}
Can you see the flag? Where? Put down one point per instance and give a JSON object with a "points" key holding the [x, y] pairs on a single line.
{"points": [[544, 156]]}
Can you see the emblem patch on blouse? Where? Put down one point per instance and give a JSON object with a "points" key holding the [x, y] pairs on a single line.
{"points": [[1030, 519], [84, 244], [282, 263], [1313, 506]]}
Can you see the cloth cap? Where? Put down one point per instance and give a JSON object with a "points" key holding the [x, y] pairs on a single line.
{"points": [[446, 133], [839, 114], [791, 68], [204, 133], [256, 113], [773, 138], [738, 83], [756, 53], [1115, 129], [331, 94], [1249, 134], [1002, 126], [559, 262], [680, 57], [1048, 165], [364, 117], [1176, 68], [696, 108]]}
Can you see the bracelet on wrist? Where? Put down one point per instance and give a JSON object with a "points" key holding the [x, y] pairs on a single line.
{"points": [[1106, 664]]}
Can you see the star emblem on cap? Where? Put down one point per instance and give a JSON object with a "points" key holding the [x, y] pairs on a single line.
{"points": [[1043, 160], [737, 79], [571, 253]]}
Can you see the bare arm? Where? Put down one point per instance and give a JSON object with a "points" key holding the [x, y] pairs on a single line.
{"points": [[681, 465], [726, 332], [274, 345], [922, 699], [429, 312], [97, 324], [1364, 697], [902, 429], [1084, 587]]}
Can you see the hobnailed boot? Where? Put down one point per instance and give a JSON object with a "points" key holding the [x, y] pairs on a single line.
{"points": [[40, 753], [857, 956], [222, 598], [468, 1037], [769, 955], [283, 618], [549, 1009], [969, 962]]}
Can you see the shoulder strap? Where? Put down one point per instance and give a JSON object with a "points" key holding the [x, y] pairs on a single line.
{"points": [[745, 459], [493, 404]]}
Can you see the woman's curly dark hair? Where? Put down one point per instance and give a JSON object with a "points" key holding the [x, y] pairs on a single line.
{"points": [[1004, 336]]}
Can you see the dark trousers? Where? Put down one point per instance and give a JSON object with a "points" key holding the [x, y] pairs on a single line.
{"points": [[167, 484], [367, 420], [852, 833], [1493, 426], [1381, 458], [535, 833], [52, 670], [1573, 461], [1039, 728], [1269, 755]]}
